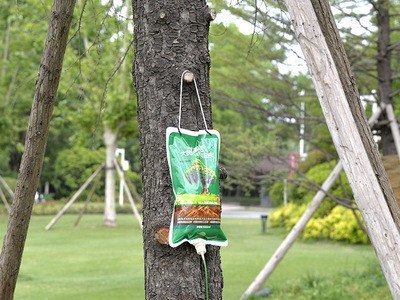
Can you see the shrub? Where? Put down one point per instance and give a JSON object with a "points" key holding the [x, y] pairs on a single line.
{"points": [[339, 225], [286, 216], [315, 157], [276, 193], [305, 191], [317, 175], [53, 207]]}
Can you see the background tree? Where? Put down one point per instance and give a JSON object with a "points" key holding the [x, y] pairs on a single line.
{"points": [[22, 31], [361, 29], [170, 37], [257, 108], [374, 55], [104, 97]]}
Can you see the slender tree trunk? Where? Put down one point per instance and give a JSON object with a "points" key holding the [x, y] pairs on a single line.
{"points": [[110, 140], [35, 144], [170, 37], [385, 72]]}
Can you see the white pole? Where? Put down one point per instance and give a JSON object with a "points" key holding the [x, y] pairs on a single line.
{"points": [[285, 192], [9, 191], [74, 197], [46, 188], [394, 127], [361, 163], [121, 193], [128, 193], [300, 225], [293, 235], [121, 151], [303, 155]]}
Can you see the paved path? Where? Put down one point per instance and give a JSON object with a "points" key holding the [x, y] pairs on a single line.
{"points": [[237, 211]]}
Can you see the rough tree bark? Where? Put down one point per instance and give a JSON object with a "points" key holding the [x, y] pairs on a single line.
{"points": [[110, 140], [35, 144], [170, 37]]}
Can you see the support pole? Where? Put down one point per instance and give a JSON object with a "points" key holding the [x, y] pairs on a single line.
{"points": [[9, 191], [128, 193], [133, 190], [285, 186], [300, 225], [351, 136], [293, 235], [88, 198], [74, 197], [3, 198], [394, 127]]}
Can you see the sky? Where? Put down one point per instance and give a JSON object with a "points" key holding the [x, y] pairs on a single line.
{"points": [[294, 63], [295, 60]]}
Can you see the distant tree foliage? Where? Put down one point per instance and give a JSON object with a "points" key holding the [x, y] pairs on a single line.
{"points": [[257, 93]]}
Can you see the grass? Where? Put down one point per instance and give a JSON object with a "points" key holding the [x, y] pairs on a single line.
{"points": [[93, 262], [333, 268]]}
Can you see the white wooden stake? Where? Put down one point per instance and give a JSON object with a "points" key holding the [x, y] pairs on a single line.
{"points": [[393, 127], [368, 193], [280, 253], [128, 193], [9, 191], [74, 197], [285, 192], [3, 198], [293, 235]]}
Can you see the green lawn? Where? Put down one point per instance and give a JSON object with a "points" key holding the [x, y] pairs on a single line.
{"points": [[95, 262]]}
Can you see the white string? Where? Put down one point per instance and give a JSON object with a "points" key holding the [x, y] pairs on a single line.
{"points": [[198, 98]]}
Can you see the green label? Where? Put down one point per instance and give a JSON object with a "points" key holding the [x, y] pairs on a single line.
{"points": [[194, 163]]}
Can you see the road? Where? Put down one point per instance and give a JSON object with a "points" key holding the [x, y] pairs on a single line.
{"points": [[237, 211]]}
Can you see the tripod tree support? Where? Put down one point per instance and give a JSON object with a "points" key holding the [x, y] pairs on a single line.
{"points": [[394, 127], [3, 198], [295, 232], [128, 193], [85, 185], [74, 197], [9, 191], [88, 198], [350, 133]]}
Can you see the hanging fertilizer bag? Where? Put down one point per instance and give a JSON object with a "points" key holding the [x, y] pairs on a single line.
{"points": [[193, 164]]}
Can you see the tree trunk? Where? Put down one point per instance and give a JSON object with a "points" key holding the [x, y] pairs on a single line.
{"points": [[385, 72], [349, 129], [110, 140], [35, 144], [170, 37]]}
